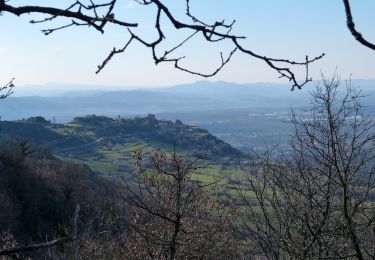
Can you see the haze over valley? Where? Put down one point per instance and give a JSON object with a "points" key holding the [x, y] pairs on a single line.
{"points": [[245, 115]]}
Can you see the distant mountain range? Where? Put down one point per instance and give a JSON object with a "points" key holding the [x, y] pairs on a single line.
{"points": [[241, 114], [64, 102]]}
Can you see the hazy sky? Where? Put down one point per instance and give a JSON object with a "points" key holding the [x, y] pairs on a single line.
{"points": [[286, 29]]}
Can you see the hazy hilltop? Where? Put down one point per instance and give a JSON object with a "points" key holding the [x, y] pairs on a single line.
{"points": [[241, 114], [85, 135]]}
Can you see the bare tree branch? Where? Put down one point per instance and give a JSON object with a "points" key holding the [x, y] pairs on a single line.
{"points": [[351, 26], [95, 21], [7, 89], [10, 251], [55, 242], [100, 15]]}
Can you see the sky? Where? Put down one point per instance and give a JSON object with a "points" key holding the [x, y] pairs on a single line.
{"points": [[282, 29]]}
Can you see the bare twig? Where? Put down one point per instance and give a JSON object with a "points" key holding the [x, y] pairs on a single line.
{"points": [[7, 89]]}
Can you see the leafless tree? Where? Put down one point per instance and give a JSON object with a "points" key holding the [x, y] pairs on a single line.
{"points": [[317, 201], [99, 15], [173, 216]]}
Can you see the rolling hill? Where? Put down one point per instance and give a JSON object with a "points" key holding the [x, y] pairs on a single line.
{"points": [[107, 145]]}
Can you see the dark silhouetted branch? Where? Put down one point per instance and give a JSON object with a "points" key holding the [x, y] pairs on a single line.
{"points": [[10, 251], [7, 89], [55, 242], [99, 15], [351, 26]]}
